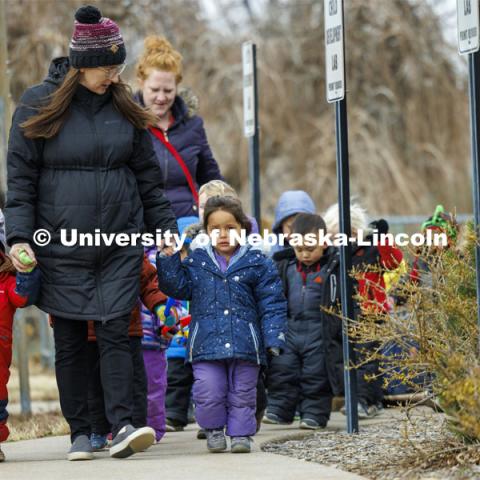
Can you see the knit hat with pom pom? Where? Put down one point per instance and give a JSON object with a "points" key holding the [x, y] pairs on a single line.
{"points": [[96, 40]]}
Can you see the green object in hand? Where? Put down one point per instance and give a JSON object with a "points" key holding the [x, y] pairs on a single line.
{"points": [[25, 259]]}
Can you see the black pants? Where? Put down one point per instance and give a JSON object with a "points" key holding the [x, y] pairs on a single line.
{"points": [[179, 387], [72, 372], [261, 396], [299, 378], [96, 403]]}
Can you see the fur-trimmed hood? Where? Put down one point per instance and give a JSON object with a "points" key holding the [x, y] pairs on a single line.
{"points": [[190, 100]]}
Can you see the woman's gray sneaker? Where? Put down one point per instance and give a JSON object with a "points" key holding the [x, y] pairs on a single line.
{"points": [[81, 449], [130, 440], [216, 441], [2, 456], [241, 445]]}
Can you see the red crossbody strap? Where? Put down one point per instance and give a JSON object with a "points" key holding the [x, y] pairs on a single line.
{"points": [[159, 134]]}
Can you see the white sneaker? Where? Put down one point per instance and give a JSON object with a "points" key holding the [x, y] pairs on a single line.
{"points": [[130, 440]]}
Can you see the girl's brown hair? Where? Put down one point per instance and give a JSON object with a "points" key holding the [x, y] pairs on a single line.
{"points": [[158, 54], [6, 265], [51, 117], [230, 205]]}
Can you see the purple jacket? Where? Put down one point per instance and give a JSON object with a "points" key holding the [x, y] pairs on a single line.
{"points": [[188, 136]]}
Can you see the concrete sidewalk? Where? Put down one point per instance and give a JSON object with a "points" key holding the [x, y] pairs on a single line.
{"points": [[178, 456]]}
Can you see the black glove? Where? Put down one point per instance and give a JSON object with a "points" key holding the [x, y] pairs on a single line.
{"points": [[380, 225]]}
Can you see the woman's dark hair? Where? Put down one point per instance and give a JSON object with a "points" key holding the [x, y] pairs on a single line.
{"points": [[308, 223], [51, 117], [228, 204]]}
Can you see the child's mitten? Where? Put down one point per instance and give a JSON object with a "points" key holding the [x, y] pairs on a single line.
{"points": [[185, 321], [167, 314]]}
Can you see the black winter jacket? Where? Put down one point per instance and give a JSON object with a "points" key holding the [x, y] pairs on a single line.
{"points": [[306, 306], [98, 172]]}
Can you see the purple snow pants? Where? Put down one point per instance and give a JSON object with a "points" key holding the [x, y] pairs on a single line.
{"points": [[225, 394], [156, 368]]}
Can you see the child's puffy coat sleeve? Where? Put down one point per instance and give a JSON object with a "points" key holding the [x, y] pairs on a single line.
{"points": [[272, 306], [24, 291], [174, 277], [150, 295]]}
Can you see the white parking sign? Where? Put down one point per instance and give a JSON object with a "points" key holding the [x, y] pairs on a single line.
{"points": [[334, 63], [468, 25], [248, 90]]}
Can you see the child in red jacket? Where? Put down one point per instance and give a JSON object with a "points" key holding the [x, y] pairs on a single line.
{"points": [[16, 290], [369, 264]]}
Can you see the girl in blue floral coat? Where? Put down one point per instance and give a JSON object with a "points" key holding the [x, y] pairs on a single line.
{"points": [[238, 314]]}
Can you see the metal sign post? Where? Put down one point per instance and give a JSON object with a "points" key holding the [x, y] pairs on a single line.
{"points": [[20, 337], [4, 100], [335, 85], [468, 23], [250, 123]]}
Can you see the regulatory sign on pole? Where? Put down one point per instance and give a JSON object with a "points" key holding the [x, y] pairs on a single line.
{"points": [[248, 90], [334, 53], [468, 26]]}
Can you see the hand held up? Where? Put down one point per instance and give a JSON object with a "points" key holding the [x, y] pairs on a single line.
{"points": [[23, 258]]}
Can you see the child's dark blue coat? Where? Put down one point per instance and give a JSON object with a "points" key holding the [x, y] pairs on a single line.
{"points": [[236, 314]]}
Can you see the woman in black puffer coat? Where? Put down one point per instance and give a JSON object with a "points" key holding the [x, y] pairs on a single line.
{"points": [[80, 157]]}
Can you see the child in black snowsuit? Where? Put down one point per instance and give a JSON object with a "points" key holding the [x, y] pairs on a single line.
{"points": [[310, 371]]}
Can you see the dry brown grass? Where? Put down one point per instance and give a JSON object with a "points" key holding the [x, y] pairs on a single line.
{"points": [[43, 386], [36, 426], [408, 116]]}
